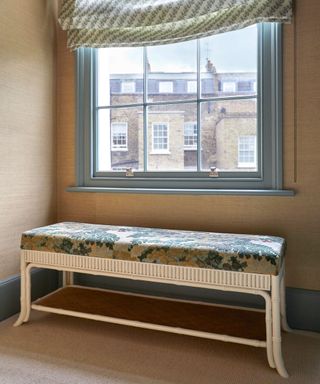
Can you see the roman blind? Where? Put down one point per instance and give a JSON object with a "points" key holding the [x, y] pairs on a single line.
{"points": [[116, 23]]}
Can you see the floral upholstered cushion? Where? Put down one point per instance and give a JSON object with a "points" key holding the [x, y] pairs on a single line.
{"points": [[224, 251]]}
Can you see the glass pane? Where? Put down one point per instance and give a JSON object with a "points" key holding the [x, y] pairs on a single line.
{"points": [[172, 137], [229, 135], [120, 76], [172, 71], [228, 63], [120, 139]]}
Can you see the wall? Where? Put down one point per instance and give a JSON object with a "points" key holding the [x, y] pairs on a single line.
{"points": [[296, 218], [27, 124]]}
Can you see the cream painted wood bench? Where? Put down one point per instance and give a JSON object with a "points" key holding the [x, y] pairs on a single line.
{"points": [[249, 264]]}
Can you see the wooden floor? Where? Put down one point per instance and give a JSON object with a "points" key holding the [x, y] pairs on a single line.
{"points": [[193, 316]]}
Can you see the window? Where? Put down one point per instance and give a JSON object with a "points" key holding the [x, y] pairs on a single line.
{"points": [[165, 87], [160, 138], [119, 132], [254, 86], [228, 86], [198, 126], [192, 86], [244, 86], [247, 151], [128, 87], [190, 136]]}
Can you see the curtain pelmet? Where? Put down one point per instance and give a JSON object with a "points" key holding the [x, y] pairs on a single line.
{"points": [[110, 23]]}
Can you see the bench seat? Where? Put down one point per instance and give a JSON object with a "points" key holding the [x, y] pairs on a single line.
{"points": [[249, 264], [222, 251]]}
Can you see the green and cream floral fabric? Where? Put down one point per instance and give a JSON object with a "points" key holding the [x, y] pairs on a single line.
{"points": [[224, 251], [106, 23]]}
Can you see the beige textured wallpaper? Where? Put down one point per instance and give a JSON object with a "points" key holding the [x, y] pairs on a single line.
{"points": [[296, 218], [27, 123]]}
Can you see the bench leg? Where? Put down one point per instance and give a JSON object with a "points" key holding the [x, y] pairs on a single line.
{"points": [[67, 278], [276, 327], [269, 331], [283, 309], [23, 294], [28, 293]]}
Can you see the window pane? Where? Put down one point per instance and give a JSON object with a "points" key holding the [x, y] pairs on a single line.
{"points": [[228, 135], [119, 136], [247, 151], [190, 136], [120, 139], [167, 136], [120, 76], [170, 68], [228, 63]]}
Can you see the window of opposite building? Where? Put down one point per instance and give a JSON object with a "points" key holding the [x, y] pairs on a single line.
{"points": [[229, 86], [192, 86], [254, 86], [190, 136], [128, 87], [160, 138], [119, 132], [247, 151], [165, 86], [215, 94]]}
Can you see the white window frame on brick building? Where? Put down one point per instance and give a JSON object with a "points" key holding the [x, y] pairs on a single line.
{"points": [[160, 138], [165, 86], [229, 86], [190, 136], [128, 87], [254, 86], [247, 151], [192, 86], [119, 136]]}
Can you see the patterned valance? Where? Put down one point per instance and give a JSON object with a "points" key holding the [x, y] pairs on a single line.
{"points": [[115, 23]]}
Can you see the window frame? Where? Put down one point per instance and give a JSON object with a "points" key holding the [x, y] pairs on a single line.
{"points": [[158, 151], [242, 164], [165, 82], [229, 82], [188, 147], [190, 86], [132, 83], [115, 148], [269, 111]]}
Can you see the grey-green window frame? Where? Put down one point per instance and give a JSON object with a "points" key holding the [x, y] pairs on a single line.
{"points": [[267, 179]]}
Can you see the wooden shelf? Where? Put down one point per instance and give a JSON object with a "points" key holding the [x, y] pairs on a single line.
{"points": [[198, 317]]}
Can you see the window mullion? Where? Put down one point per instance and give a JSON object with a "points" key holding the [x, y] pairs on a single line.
{"points": [[145, 110], [171, 102], [198, 109]]}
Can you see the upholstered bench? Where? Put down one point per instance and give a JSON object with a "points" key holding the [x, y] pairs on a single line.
{"points": [[222, 261]]}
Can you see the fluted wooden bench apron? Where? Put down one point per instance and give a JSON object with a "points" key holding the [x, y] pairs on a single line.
{"points": [[221, 261]]}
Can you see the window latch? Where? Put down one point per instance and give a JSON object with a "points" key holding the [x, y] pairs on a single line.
{"points": [[213, 172], [129, 172]]}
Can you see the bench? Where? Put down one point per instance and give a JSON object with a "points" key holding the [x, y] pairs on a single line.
{"points": [[249, 264]]}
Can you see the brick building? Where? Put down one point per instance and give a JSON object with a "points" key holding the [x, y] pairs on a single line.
{"points": [[228, 127]]}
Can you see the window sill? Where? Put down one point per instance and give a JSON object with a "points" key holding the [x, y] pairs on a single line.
{"points": [[119, 149], [235, 192], [160, 153]]}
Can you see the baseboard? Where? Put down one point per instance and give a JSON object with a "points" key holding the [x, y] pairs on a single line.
{"points": [[43, 282], [303, 309]]}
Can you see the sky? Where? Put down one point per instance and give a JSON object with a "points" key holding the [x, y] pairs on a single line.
{"points": [[229, 52]]}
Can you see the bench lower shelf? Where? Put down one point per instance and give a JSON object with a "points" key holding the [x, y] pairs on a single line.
{"points": [[240, 325]]}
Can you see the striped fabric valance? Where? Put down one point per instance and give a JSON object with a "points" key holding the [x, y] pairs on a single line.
{"points": [[115, 23]]}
